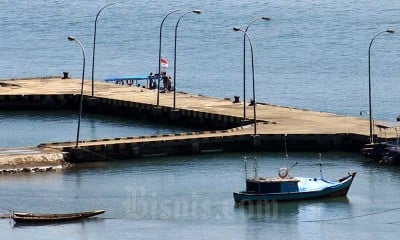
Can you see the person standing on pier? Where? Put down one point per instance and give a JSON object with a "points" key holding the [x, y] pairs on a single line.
{"points": [[165, 79], [151, 81]]}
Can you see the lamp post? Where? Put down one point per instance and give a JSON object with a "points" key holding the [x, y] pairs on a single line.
{"points": [[371, 137], [72, 38], [244, 63], [252, 70], [159, 57], [94, 42], [176, 33]]}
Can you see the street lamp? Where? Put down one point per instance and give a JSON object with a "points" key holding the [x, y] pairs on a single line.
{"points": [[176, 33], [72, 38], [94, 43], [159, 57], [252, 70], [371, 137], [244, 63]]}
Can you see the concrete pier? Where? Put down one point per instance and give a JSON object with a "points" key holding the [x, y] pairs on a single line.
{"points": [[30, 160], [221, 120]]}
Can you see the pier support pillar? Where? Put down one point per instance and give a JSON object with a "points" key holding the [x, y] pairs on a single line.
{"points": [[195, 147], [256, 140], [157, 111], [92, 102], [135, 152], [175, 114], [76, 155]]}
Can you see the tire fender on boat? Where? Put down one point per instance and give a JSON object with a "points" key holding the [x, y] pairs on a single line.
{"points": [[283, 172]]}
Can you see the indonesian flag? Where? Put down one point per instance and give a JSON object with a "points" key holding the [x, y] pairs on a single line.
{"points": [[164, 63]]}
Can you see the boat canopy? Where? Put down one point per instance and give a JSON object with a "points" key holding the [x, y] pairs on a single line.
{"points": [[315, 184]]}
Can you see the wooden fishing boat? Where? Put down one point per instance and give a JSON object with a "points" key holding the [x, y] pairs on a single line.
{"points": [[24, 217], [288, 188]]}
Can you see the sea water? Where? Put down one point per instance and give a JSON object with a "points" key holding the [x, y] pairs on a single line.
{"points": [[191, 197], [312, 54]]}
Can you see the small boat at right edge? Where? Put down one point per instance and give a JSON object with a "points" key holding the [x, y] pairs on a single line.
{"points": [[287, 188]]}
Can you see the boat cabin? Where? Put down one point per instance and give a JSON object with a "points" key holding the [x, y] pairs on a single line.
{"points": [[272, 185]]}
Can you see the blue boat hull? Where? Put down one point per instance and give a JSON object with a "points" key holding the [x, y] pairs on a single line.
{"points": [[336, 191]]}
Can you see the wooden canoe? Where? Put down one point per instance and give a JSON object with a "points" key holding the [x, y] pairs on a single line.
{"points": [[24, 217]]}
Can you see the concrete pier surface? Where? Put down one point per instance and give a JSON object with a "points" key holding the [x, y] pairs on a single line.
{"points": [[30, 159], [300, 127]]}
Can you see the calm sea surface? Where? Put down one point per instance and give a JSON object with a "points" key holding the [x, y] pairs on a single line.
{"points": [[312, 54]]}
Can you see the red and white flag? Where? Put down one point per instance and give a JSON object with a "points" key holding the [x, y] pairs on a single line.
{"points": [[164, 63]]}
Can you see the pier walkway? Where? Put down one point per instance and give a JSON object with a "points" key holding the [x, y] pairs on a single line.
{"points": [[301, 129]]}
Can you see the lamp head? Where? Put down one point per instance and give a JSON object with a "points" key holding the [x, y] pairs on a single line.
{"points": [[236, 29], [266, 18], [390, 31], [196, 11], [71, 38]]}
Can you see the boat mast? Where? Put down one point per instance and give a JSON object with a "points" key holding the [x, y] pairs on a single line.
{"points": [[320, 164]]}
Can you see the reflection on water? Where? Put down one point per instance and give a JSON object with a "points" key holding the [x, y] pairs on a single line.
{"points": [[297, 211], [77, 223]]}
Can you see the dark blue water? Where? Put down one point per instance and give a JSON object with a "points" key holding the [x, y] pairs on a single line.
{"points": [[312, 54]]}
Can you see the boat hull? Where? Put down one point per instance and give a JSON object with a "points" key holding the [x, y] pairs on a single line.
{"points": [[23, 217], [334, 191], [384, 152]]}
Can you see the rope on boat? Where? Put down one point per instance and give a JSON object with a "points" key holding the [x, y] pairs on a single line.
{"points": [[352, 217]]}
